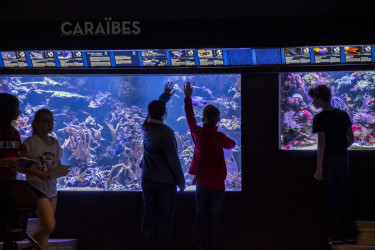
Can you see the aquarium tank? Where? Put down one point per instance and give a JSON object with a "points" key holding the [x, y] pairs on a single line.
{"points": [[98, 122], [352, 91]]}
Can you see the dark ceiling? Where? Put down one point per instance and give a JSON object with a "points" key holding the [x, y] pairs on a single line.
{"points": [[31, 11], [36, 24]]}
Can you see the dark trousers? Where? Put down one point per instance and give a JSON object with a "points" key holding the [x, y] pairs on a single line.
{"points": [[337, 197], [158, 207], [208, 218]]}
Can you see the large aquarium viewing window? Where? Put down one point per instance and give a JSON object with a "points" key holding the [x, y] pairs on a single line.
{"points": [[352, 91], [99, 117]]}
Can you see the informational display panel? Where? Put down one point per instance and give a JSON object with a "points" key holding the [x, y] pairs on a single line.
{"points": [[210, 57], [154, 58], [126, 58], [357, 54], [14, 59], [41, 59], [70, 59], [297, 55], [98, 59], [327, 54], [182, 57]]}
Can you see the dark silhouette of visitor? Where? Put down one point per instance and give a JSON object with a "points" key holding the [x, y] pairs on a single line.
{"points": [[10, 141], [335, 135], [161, 173], [209, 170]]}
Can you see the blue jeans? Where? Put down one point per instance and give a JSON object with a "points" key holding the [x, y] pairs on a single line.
{"points": [[337, 197], [208, 218], [158, 207]]}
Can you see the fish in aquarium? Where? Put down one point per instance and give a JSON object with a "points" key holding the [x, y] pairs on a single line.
{"points": [[352, 91], [99, 120], [203, 88], [198, 101]]}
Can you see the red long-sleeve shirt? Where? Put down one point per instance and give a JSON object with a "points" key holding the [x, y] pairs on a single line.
{"points": [[208, 164]]}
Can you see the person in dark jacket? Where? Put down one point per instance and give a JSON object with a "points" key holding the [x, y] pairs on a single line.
{"points": [[209, 171], [161, 173]]}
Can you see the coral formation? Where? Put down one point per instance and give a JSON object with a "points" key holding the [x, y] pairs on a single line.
{"points": [[79, 142], [123, 169]]}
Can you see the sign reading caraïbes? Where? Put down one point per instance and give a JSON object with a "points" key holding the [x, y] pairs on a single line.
{"points": [[106, 27]]}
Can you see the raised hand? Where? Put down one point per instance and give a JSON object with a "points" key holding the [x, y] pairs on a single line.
{"points": [[168, 88], [188, 90]]}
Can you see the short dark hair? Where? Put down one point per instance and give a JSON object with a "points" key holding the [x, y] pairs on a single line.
{"points": [[8, 104], [156, 109], [211, 115], [321, 91]]}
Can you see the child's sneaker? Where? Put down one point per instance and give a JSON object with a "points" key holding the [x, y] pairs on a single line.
{"points": [[333, 242], [350, 241]]}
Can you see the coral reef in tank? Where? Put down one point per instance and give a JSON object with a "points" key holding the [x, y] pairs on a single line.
{"points": [[99, 122], [353, 92]]}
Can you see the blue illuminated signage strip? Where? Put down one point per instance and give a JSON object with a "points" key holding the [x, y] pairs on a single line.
{"points": [[267, 56], [189, 57]]}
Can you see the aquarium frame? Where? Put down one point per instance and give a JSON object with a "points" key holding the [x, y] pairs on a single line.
{"points": [[342, 68], [110, 72]]}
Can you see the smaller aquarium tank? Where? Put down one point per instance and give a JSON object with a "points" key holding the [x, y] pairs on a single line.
{"points": [[352, 91], [99, 119]]}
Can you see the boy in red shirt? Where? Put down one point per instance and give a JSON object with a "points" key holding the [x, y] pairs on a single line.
{"points": [[209, 170]]}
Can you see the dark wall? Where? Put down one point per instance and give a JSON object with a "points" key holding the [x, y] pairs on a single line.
{"points": [[252, 32], [280, 206], [171, 24], [37, 10]]}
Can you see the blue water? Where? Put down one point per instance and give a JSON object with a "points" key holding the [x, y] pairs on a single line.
{"points": [[99, 117]]}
